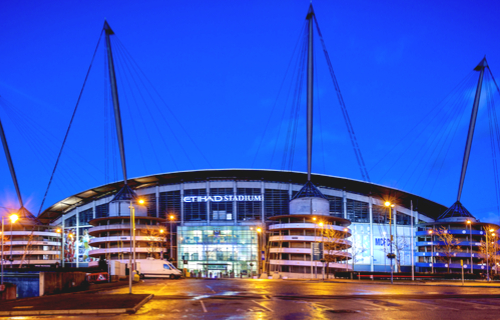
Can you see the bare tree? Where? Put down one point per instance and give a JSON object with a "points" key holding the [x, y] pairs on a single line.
{"points": [[448, 245], [399, 245], [154, 238], [489, 247], [333, 245], [356, 249]]}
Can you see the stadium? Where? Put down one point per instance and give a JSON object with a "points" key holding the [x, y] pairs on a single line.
{"points": [[215, 215]]}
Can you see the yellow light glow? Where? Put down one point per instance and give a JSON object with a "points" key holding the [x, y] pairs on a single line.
{"points": [[387, 204], [171, 217], [345, 230], [314, 218], [13, 217], [468, 221], [493, 234], [259, 230], [491, 230], [141, 201], [161, 230], [320, 224], [58, 230], [70, 235], [430, 231]]}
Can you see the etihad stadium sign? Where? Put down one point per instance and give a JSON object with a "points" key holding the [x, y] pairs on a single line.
{"points": [[225, 198]]}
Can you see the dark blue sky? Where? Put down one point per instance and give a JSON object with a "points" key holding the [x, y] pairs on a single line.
{"points": [[219, 66]]}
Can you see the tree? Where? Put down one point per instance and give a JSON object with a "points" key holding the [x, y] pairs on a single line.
{"points": [[448, 245], [489, 247], [356, 249], [333, 245], [399, 245], [154, 239]]}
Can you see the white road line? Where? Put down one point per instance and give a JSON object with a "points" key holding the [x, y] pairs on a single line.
{"points": [[260, 304], [210, 289], [157, 293], [203, 306]]}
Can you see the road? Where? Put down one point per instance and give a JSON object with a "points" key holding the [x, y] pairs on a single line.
{"points": [[286, 299]]}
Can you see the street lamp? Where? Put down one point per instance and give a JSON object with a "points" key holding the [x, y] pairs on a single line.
{"points": [[131, 256], [432, 253], [13, 218], [171, 218], [389, 205], [471, 255], [259, 263]]}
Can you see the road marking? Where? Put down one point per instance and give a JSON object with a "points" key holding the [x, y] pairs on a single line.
{"points": [[432, 305], [263, 306], [210, 289], [203, 306], [377, 306], [161, 289]]}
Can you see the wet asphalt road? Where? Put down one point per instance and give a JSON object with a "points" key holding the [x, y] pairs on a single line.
{"points": [[278, 299]]}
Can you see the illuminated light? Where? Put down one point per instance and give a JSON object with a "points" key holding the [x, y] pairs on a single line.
{"points": [[141, 201], [320, 224], [430, 231], [161, 230], [171, 217], [468, 221], [491, 230], [493, 234], [251, 228], [70, 235], [345, 230], [14, 217], [314, 218], [259, 230], [387, 204], [58, 230]]}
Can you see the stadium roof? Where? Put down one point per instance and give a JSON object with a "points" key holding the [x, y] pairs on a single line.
{"points": [[425, 206]]}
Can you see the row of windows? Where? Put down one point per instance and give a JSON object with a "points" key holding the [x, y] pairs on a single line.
{"points": [[276, 202]]}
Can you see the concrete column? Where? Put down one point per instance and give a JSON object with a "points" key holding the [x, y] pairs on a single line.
{"points": [[182, 204], [344, 203], [93, 209], [207, 187], [262, 191], [157, 195], [370, 208], [235, 205]]}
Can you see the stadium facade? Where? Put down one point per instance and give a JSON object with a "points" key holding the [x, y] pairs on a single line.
{"points": [[217, 214]]}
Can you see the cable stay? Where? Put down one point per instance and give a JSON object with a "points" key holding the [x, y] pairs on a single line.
{"points": [[347, 120]]}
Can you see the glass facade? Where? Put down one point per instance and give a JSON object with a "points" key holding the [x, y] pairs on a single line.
{"points": [[230, 250]]}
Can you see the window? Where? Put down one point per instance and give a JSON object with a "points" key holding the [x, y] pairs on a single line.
{"points": [[102, 211], [276, 202], [70, 222], [170, 203], [249, 210], [403, 219], [357, 211], [336, 206], [195, 211], [380, 214], [85, 216], [221, 210]]}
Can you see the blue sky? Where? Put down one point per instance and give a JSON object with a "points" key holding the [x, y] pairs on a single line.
{"points": [[219, 67]]}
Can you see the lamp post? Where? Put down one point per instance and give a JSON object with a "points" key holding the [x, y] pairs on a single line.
{"points": [[171, 218], [13, 218], [471, 263], [488, 255], [390, 255], [432, 252], [131, 263], [259, 231], [321, 224]]}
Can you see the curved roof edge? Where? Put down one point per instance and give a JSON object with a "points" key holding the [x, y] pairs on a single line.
{"points": [[429, 208]]}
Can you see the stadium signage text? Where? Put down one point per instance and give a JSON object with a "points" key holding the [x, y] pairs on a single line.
{"points": [[382, 242], [224, 198]]}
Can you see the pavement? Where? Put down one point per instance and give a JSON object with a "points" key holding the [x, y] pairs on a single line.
{"points": [[247, 298], [78, 303]]}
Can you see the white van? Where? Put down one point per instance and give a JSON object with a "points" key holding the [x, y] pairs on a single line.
{"points": [[153, 268]]}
